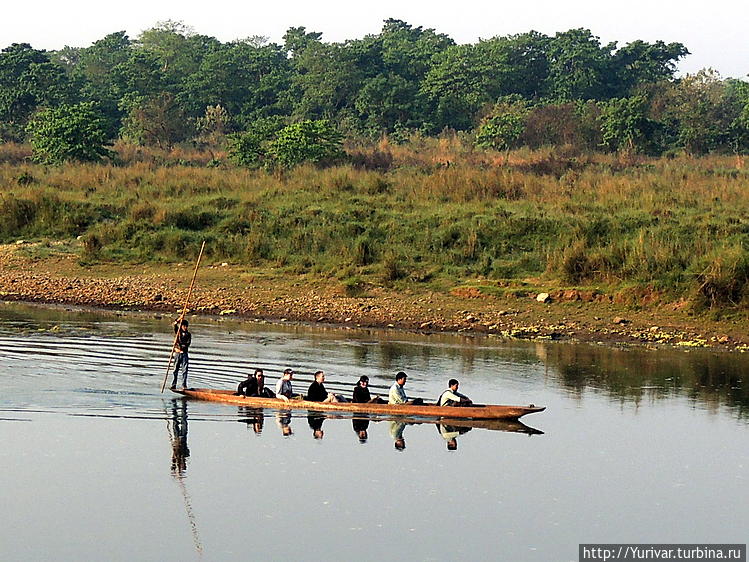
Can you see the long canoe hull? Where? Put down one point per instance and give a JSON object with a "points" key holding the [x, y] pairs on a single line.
{"points": [[475, 412]]}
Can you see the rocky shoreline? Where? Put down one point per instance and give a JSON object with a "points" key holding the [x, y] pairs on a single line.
{"points": [[229, 291]]}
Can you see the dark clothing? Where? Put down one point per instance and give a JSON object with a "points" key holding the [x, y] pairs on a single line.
{"points": [[265, 392], [361, 394], [248, 387], [360, 424], [184, 339], [317, 392], [315, 421]]}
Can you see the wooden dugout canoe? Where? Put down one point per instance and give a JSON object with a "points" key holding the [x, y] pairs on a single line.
{"points": [[475, 412]]}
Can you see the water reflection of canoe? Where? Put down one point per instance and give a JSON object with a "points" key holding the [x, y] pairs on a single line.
{"points": [[475, 412]]}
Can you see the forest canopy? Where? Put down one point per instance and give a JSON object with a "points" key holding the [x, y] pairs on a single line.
{"points": [[172, 85]]}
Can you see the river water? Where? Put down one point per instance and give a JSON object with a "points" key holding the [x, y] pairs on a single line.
{"points": [[636, 446]]}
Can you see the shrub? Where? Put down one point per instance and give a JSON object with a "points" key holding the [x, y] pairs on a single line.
{"points": [[722, 278], [318, 142], [69, 132]]}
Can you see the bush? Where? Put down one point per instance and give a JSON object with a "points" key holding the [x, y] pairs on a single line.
{"points": [[722, 279], [318, 142], [69, 132]]}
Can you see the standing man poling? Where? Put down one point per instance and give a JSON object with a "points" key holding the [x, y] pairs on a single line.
{"points": [[181, 346]]}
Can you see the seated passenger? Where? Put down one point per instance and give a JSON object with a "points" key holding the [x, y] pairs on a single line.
{"points": [[262, 390], [361, 392], [317, 392], [283, 386], [397, 395], [248, 387], [451, 396]]}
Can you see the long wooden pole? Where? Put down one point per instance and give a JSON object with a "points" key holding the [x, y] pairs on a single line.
{"points": [[182, 316]]}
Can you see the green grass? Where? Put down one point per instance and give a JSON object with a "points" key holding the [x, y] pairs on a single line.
{"points": [[679, 226]]}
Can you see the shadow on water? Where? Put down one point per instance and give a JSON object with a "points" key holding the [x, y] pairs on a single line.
{"points": [[449, 429], [629, 375], [177, 428]]}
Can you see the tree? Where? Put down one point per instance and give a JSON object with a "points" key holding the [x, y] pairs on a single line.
{"points": [[69, 132], [579, 66], [502, 128], [464, 79], [28, 79], [700, 110], [249, 80], [214, 124], [639, 63], [156, 120], [297, 39], [625, 124]]}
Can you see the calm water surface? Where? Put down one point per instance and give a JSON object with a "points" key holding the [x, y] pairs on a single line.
{"points": [[635, 446]]}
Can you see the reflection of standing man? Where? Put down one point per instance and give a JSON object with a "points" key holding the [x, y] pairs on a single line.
{"points": [[180, 451], [181, 345]]}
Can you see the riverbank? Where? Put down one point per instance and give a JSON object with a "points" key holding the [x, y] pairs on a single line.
{"points": [[230, 290]]}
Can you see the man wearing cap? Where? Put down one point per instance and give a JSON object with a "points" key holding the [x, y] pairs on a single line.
{"points": [[181, 345], [284, 391], [397, 394], [361, 392]]}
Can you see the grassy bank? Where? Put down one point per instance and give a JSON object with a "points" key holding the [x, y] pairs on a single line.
{"points": [[431, 213]]}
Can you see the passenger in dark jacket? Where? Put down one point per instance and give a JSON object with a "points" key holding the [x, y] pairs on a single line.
{"points": [[361, 392], [248, 387], [317, 392]]}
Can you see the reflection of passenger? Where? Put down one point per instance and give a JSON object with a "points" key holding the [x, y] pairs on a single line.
{"points": [[283, 420], [315, 424], [396, 432], [317, 392], [361, 392], [360, 428], [180, 451], [252, 417], [450, 434], [397, 394], [451, 396]]}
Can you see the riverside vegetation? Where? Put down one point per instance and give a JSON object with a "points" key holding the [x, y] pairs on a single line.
{"points": [[515, 166], [655, 229]]}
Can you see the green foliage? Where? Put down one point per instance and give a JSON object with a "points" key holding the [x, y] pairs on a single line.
{"points": [[318, 142], [701, 112], [249, 149], [28, 79], [401, 82], [155, 121], [502, 128], [579, 66], [68, 132], [625, 124]]}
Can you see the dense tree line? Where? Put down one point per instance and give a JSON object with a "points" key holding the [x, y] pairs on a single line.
{"points": [[171, 85]]}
